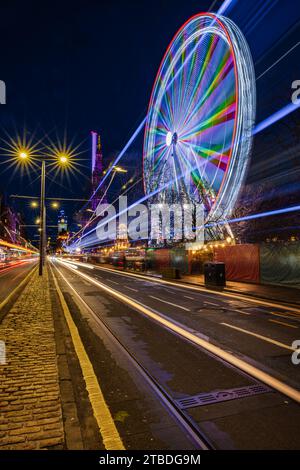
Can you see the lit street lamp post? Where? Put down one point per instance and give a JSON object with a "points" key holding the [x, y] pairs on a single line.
{"points": [[42, 219], [63, 160]]}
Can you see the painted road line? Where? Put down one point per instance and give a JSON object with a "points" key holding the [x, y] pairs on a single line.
{"points": [[264, 338], [211, 303], [188, 297], [284, 324], [159, 393], [114, 282], [109, 433], [131, 288], [239, 311], [170, 303], [287, 315], [8, 298], [199, 289], [84, 265], [184, 332]]}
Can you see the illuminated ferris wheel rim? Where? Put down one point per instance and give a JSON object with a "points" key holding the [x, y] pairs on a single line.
{"points": [[244, 101]]}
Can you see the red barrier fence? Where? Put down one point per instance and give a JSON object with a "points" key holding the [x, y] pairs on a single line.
{"points": [[242, 262]]}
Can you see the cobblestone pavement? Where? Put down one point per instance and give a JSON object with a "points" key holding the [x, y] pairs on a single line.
{"points": [[30, 406]]}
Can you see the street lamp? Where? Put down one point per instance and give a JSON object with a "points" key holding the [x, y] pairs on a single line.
{"points": [[62, 159], [23, 155], [119, 169]]}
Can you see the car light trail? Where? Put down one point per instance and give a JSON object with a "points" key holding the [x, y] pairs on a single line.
{"points": [[184, 332], [199, 288]]}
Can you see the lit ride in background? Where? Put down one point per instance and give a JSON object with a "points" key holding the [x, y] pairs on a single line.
{"points": [[198, 132]]}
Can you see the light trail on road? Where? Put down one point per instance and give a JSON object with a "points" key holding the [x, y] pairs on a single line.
{"points": [[188, 334]]}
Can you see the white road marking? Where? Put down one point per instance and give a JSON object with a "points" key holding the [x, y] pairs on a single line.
{"points": [[184, 332], [211, 303], [201, 290], [241, 311], [131, 288], [264, 338], [170, 303], [188, 297], [114, 282], [283, 323]]}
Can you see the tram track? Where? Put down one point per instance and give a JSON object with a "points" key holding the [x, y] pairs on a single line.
{"points": [[178, 409], [182, 418]]}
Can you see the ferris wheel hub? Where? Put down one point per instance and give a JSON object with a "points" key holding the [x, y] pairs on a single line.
{"points": [[171, 139]]}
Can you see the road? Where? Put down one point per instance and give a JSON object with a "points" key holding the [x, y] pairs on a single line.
{"points": [[11, 276], [196, 343]]}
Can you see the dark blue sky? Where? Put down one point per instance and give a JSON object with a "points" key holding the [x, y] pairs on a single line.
{"points": [[91, 65]]}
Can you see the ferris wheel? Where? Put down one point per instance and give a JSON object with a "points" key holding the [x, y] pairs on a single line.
{"points": [[198, 131]]}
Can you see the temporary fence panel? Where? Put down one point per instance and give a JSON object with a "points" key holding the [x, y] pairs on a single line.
{"points": [[280, 264], [179, 259], [241, 262]]}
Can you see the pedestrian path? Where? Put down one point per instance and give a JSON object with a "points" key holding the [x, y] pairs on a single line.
{"points": [[30, 405], [269, 292]]}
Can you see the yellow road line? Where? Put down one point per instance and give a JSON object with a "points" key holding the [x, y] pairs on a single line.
{"points": [[5, 301], [108, 431], [281, 387], [287, 315], [264, 338], [283, 323]]}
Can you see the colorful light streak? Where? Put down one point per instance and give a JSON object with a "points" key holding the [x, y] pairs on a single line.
{"points": [[225, 6], [17, 247], [260, 127], [284, 210], [205, 96], [288, 109]]}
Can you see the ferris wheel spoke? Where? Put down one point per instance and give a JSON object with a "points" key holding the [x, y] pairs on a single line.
{"points": [[212, 43], [212, 55], [213, 112], [158, 173], [212, 90], [164, 117], [212, 155], [200, 181], [222, 116], [190, 136], [198, 167]]}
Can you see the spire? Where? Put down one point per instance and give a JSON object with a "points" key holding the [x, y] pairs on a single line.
{"points": [[97, 168]]}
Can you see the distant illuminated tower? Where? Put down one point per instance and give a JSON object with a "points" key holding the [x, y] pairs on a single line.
{"points": [[97, 170], [62, 222]]}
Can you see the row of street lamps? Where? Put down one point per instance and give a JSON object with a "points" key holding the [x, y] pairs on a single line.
{"points": [[63, 160]]}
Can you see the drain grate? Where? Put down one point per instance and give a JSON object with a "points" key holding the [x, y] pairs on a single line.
{"points": [[222, 395]]}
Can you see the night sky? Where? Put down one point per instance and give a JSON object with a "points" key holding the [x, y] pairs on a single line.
{"points": [[77, 66]]}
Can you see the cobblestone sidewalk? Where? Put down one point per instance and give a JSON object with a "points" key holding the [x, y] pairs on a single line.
{"points": [[30, 407]]}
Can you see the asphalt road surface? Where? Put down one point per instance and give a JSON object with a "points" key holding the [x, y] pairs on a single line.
{"points": [[215, 389], [11, 276]]}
